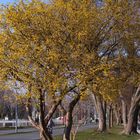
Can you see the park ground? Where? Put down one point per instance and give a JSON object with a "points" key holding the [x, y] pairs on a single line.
{"points": [[112, 134], [87, 132]]}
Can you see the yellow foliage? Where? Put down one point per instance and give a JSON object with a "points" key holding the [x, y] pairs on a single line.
{"points": [[42, 43]]}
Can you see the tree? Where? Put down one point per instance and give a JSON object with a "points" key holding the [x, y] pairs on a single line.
{"points": [[32, 54], [131, 68], [44, 46]]}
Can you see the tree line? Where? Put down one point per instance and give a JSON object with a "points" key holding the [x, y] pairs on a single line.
{"points": [[70, 49]]}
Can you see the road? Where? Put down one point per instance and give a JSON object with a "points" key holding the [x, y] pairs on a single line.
{"points": [[32, 134]]}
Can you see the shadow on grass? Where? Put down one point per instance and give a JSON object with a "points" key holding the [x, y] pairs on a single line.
{"points": [[112, 134]]}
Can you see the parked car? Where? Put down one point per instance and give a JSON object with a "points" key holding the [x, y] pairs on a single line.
{"points": [[58, 121]]}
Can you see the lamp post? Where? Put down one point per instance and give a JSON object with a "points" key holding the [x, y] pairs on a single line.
{"points": [[16, 118], [16, 109]]}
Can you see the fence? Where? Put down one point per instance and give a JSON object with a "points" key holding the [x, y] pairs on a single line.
{"points": [[12, 123]]}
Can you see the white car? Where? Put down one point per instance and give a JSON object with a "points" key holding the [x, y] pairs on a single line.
{"points": [[58, 121]]}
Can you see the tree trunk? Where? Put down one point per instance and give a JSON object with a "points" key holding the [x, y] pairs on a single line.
{"points": [[102, 114], [133, 114], [93, 96], [110, 125], [44, 135], [132, 120], [69, 118], [44, 119], [68, 126], [117, 115], [124, 113], [100, 106], [131, 127], [136, 120]]}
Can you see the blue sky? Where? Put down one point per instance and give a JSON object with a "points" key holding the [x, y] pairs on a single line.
{"points": [[11, 1], [6, 1]]}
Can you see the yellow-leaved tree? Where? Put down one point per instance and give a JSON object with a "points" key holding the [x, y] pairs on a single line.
{"points": [[32, 53], [45, 46]]}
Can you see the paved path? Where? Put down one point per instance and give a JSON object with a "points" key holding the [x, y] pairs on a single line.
{"points": [[11, 131], [32, 134], [24, 130]]}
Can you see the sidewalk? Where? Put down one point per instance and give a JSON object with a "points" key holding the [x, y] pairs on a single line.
{"points": [[12, 131], [24, 130], [28, 135]]}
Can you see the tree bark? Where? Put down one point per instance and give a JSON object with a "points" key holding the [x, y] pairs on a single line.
{"points": [[102, 114], [44, 134], [95, 101], [100, 106], [117, 115], [68, 126], [133, 114], [42, 125], [69, 118], [131, 127], [124, 113], [136, 119], [63, 111], [110, 125]]}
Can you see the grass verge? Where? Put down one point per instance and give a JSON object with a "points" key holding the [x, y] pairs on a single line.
{"points": [[113, 134]]}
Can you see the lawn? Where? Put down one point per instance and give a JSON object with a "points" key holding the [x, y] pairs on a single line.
{"points": [[113, 134]]}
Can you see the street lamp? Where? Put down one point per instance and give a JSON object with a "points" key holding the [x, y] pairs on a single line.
{"points": [[16, 118], [16, 109]]}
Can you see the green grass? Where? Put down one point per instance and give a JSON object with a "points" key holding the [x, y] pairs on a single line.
{"points": [[113, 134]]}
